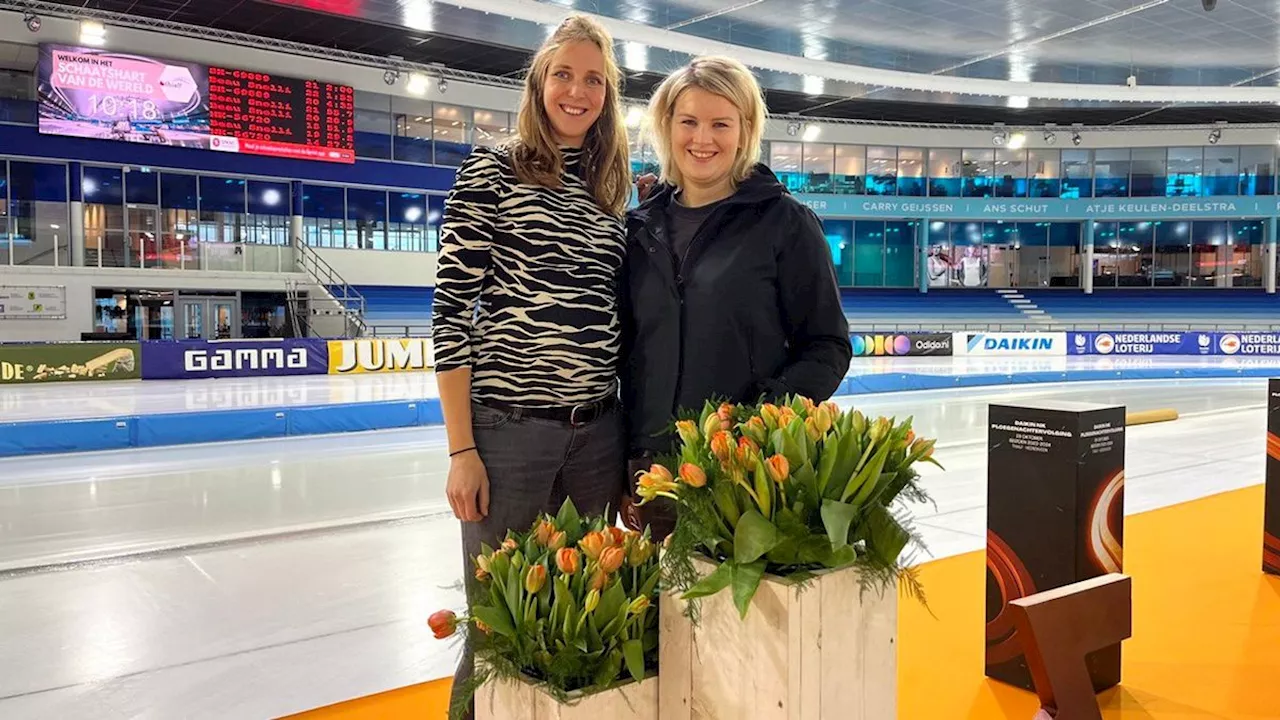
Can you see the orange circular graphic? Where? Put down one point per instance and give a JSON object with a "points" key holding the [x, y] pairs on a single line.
{"points": [[1014, 582]]}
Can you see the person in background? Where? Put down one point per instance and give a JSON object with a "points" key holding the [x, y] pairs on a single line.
{"points": [[731, 288], [526, 326]]}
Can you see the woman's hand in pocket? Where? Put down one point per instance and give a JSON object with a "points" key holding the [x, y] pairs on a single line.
{"points": [[468, 487]]}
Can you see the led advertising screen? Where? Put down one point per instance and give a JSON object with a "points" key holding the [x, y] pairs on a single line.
{"points": [[112, 95]]}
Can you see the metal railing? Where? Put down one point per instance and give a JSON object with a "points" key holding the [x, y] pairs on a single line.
{"points": [[348, 298]]}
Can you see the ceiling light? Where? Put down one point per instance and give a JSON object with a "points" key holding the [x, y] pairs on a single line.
{"points": [[1050, 137], [811, 132], [1017, 140], [1000, 138], [443, 86], [417, 84], [1214, 136], [93, 33], [390, 77], [33, 22], [793, 128], [1076, 139]]}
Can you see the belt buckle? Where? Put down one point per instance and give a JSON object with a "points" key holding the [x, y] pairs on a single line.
{"points": [[573, 415]]}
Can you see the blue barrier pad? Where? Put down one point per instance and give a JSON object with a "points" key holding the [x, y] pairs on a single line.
{"points": [[65, 436], [208, 427], [352, 417], [430, 412]]}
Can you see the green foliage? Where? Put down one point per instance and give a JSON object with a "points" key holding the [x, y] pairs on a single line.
{"points": [[564, 618], [791, 490]]}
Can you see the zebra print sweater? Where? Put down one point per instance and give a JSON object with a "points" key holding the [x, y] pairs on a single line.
{"points": [[526, 286]]}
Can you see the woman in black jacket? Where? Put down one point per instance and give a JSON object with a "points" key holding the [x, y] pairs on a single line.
{"points": [[731, 289]]}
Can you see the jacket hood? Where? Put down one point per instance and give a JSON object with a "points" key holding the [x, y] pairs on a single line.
{"points": [[760, 186]]}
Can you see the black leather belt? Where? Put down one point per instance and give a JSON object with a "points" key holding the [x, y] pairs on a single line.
{"points": [[572, 415]]}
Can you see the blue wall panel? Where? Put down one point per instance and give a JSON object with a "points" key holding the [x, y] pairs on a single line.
{"points": [[352, 417], [207, 427], [64, 436]]}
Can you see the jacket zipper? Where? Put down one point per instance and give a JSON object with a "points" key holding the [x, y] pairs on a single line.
{"points": [[679, 278]]}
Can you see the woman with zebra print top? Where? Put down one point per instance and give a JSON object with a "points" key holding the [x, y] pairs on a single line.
{"points": [[526, 325]]}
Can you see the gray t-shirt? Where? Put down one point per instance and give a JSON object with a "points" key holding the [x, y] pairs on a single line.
{"points": [[683, 223]]}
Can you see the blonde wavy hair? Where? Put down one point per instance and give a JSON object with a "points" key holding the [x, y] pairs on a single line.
{"points": [[606, 158], [721, 76]]}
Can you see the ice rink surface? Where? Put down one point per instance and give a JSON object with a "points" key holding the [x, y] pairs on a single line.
{"points": [[258, 579]]}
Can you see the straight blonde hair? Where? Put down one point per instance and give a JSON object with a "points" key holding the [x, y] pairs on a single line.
{"points": [[721, 76], [606, 158]]}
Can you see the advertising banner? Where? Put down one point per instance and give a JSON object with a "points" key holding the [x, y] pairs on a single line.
{"points": [[996, 344], [1271, 515], [908, 344], [378, 355], [234, 358], [60, 362], [1140, 343], [1055, 516], [20, 301]]}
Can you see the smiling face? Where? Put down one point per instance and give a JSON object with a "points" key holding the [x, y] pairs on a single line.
{"points": [[574, 92], [706, 135]]}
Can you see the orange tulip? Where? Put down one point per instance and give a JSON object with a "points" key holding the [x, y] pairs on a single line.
{"points": [[482, 574], [722, 446], [809, 406], [612, 558], [638, 605], [614, 535], [772, 415], [712, 425], [510, 544], [725, 413], [747, 451], [558, 540], [661, 472], [688, 431], [755, 429], [911, 437], [640, 553], [823, 419], [544, 532], [483, 628], [443, 623], [598, 579], [535, 579], [778, 468], [568, 560], [592, 545], [692, 475], [812, 429]]}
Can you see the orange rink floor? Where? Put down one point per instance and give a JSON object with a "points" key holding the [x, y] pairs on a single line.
{"points": [[1206, 631]]}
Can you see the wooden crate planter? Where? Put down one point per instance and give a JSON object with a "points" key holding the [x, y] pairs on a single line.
{"points": [[509, 700], [825, 652]]}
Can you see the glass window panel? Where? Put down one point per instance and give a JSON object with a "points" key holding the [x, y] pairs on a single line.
{"points": [[1172, 253], [840, 239], [1222, 170], [102, 185], [868, 253], [1111, 172], [179, 191], [179, 236], [1209, 248], [435, 216], [269, 198], [5, 255], [1108, 257], [39, 225], [1010, 176], [1136, 240], [945, 169], [968, 260], [451, 133], [324, 212], [1147, 178], [1044, 168], [1185, 172], [938, 265], [492, 128], [104, 236], [850, 169], [1248, 253], [367, 213], [374, 125], [407, 230], [1064, 254], [900, 253], [1077, 173], [1257, 170], [882, 171], [141, 186], [786, 160], [222, 194], [911, 180], [1000, 249], [977, 168], [819, 162], [413, 128]]}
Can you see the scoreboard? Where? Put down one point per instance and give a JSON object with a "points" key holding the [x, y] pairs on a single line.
{"points": [[104, 94]]}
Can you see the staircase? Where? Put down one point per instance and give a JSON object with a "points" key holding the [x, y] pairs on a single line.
{"points": [[1026, 307], [349, 304]]}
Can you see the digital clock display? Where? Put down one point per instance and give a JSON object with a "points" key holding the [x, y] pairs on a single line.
{"points": [[119, 96]]}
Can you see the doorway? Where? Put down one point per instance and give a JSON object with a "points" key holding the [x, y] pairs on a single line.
{"points": [[209, 318]]}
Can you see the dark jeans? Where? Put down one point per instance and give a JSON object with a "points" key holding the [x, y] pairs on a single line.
{"points": [[533, 465]]}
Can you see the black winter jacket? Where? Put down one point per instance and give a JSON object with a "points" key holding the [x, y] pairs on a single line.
{"points": [[752, 311]]}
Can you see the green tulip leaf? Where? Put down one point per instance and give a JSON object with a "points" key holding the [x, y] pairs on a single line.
{"points": [[746, 580], [611, 599], [754, 537], [495, 617], [711, 584], [633, 651], [836, 518], [886, 538], [609, 668], [841, 557], [569, 520]]}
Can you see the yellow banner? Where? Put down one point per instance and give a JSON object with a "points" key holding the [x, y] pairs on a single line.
{"points": [[379, 355]]}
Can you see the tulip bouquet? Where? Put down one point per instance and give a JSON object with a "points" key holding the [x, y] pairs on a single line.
{"points": [[570, 604], [791, 490]]}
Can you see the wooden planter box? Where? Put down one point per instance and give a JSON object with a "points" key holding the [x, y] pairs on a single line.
{"points": [[825, 652], [508, 700]]}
